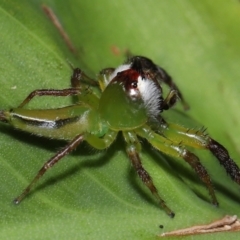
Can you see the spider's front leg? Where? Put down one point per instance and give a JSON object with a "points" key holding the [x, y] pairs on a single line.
{"points": [[79, 76], [167, 79], [133, 149], [199, 139], [87, 86], [170, 100], [50, 92]]}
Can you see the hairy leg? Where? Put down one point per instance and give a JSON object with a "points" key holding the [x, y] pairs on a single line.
{"points": [[176, 150], [133, 148], [50, 163], [50, 92], [79, 76], [199, 139]]}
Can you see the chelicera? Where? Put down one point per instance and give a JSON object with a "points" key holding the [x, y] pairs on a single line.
{"points": [[128, 101]]}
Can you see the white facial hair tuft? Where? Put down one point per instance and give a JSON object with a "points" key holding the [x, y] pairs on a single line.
{"points": [[150, 94]]}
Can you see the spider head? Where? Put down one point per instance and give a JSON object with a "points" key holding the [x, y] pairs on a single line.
{"points": [[144, 66], [129, 99]]}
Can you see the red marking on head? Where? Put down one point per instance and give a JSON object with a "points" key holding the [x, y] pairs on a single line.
{"points": [[129, 79], [128, 76]]}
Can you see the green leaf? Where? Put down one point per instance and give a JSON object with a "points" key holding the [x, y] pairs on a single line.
{"points": [[96, 195]]}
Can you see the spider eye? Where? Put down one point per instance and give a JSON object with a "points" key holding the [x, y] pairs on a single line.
{"points": [[129, 80], [134, 84]]}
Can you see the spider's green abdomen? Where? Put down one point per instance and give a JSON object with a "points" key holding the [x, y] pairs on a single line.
{"points": [[120, 111]]}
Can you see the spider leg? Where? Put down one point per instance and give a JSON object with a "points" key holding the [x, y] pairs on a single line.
{"points": [[104, 77], [50, 92], [174, 149], [199, 139], [167, 79], [79, 76], [79, 80], [76, 79], [133, 148], [101, 143], [170, 100], [50, 163], [224, 159]]}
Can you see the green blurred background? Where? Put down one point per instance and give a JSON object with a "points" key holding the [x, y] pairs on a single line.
{"points": [[96, 195]]}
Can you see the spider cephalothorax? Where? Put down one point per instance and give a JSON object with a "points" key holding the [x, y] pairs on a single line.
{"points": [[127, 100], [141, 98], [148, 69]]}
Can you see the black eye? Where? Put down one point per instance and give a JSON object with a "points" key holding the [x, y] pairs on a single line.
{"points": [[134, 84]]}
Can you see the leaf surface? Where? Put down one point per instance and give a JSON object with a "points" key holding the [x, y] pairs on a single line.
{"points": [[96, 195]]}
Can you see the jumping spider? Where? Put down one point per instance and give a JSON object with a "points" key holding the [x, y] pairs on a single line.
{"points": [[129, 99]]}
